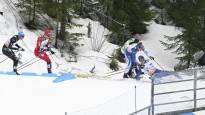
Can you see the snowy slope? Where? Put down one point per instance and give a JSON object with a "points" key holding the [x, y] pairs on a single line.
{"points": [[38, 95], [151, 41]]}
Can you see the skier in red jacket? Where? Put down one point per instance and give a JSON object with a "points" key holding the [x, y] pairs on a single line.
{"points": [[42, 46]]}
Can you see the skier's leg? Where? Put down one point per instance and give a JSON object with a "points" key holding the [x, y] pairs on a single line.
{"points": [[48, 61], [49, 67], [138, 73], [128, 68], [10, 54], [45, 57], [15, 59]]}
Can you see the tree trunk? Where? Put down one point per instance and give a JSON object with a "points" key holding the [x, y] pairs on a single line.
{"points": [[57, 31], [34, 11], [57, 34], [63, 22], [189, 59], [29, 14]]}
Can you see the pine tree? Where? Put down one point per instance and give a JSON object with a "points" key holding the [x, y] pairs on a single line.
{"points": [[189, 16], [132, 13], [65, 12], [30, 8]]}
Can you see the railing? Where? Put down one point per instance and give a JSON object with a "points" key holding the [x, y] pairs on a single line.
{"points": [[150, 110]]}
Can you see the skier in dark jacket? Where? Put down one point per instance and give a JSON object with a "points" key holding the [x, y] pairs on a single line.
{"points": [[11, 45]]}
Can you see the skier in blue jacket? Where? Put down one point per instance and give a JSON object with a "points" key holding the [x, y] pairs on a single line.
{"points": [[131, 59]]}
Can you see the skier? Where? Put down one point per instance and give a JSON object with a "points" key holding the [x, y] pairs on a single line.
{"points": [[129, 44], [130, 54], [133, 40], [11, 45], [201, 61], [42, 46], [150, 69]]}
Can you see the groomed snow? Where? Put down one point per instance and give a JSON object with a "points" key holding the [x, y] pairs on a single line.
{"points": [[32, 95]]}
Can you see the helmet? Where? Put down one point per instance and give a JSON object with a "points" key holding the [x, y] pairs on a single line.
{"points": [[47, 33], [141, 58], [21, 35], [140, 45]]}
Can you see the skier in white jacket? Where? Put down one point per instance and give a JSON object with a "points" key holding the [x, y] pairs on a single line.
{"points": [[148, 68]]}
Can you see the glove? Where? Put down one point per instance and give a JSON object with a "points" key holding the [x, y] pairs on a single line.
{"points": [[43, 49], [152, 58], [134, 65], [52, 52], [21, 49], [141, 66]]}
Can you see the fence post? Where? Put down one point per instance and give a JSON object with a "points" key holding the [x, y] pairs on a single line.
{"points": [[195, 87], [152, 96], [135, 99]]}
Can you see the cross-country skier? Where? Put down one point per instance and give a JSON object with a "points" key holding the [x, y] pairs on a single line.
{"points": [[150, 69], [11, 45], [42, 46], [132, 42], [131, 58]]}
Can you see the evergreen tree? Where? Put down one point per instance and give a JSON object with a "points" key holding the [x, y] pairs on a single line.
{"points": [[189, 15], [30, 9], [132, 13]]}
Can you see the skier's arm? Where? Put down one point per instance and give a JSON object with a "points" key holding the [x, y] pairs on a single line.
{"points": [[17, 45], [43, 46], [13, 40], [49, 49], [149, 68]]}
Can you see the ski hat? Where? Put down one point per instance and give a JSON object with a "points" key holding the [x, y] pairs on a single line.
{"points": [[47, 33], [140, 45], [141, 58], [21, 35]]}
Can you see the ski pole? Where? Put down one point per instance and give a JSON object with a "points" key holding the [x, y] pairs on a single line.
{"points": [[4, 60], [27, 62], [154, 61], [55, 61], [159, 65], [22, 67]]}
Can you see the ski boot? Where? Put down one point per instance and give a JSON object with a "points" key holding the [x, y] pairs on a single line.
{"points": [[49, 68], [16, 72], [125, 75]]}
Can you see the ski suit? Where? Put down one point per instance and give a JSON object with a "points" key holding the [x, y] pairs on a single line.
{"points": [[129, 54], [150, 69], [8, 48], [127, 43], [40, 51], [130, 57]]}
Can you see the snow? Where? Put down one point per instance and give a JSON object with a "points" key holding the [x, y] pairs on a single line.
{"points": [[151, 41], [96, 95]]}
